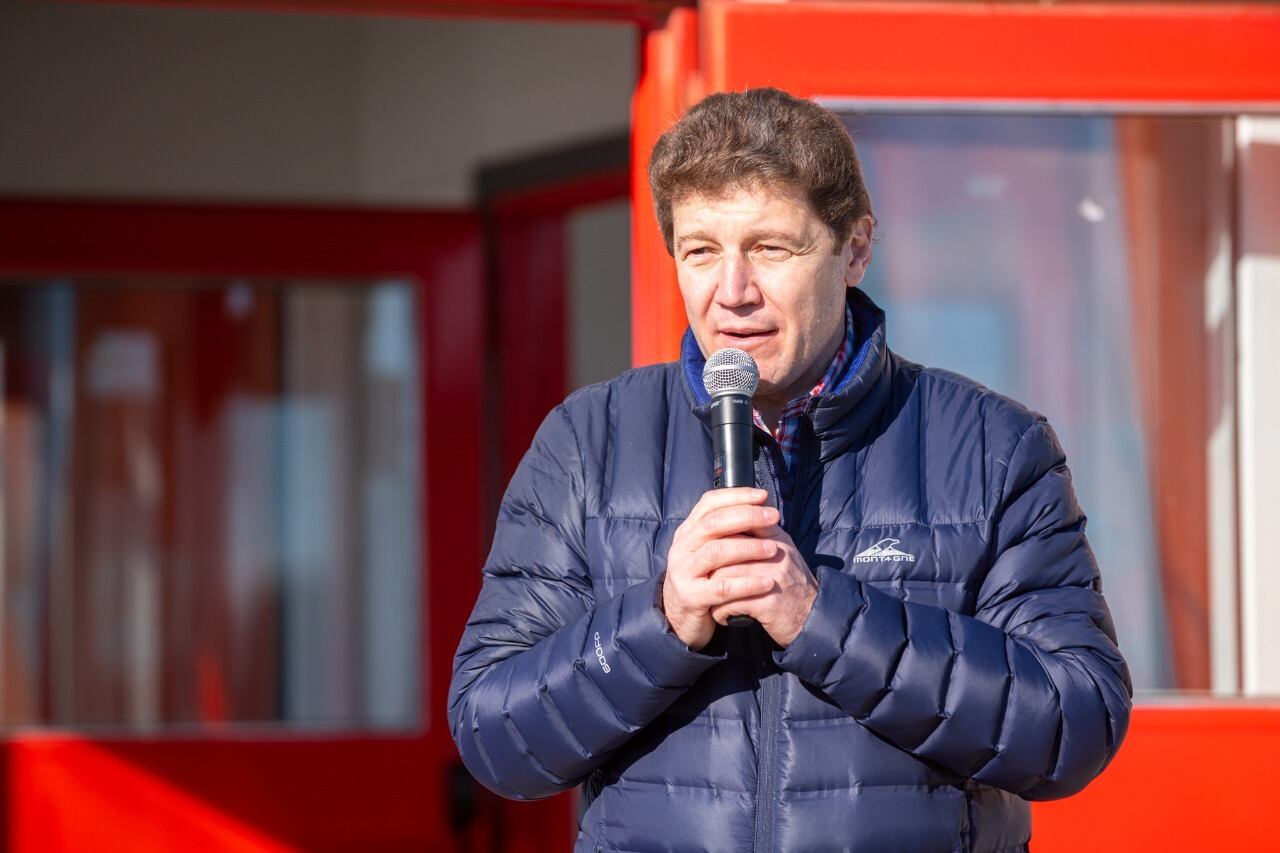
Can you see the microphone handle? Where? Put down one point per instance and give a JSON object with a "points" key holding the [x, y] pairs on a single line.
{"points": [[731, 428], [731, 437]]}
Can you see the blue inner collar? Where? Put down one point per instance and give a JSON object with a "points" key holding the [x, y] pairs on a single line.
{"points": [[865, 319]]}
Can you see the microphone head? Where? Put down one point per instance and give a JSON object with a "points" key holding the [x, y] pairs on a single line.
{"points": [[731, 371]]}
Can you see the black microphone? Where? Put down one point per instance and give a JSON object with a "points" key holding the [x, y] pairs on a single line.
{"points": [[731, 378]]}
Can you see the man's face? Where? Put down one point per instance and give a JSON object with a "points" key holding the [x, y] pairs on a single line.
{"points": [[759, 271]]}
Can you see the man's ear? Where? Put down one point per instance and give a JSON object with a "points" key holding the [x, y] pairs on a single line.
{"points": [[860, 251]]}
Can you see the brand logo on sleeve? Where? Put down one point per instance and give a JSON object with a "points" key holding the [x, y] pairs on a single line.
{"points": [[884, 550], [600, 653]]}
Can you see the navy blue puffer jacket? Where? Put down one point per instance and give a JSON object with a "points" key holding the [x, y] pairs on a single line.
{"points": [[959, 659]]}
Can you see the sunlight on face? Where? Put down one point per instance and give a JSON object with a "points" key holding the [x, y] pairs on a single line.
{"points": [[759, 271]]}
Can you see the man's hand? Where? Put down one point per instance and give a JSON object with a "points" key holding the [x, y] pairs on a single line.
{"points": [[783, 608], [718, 537]]}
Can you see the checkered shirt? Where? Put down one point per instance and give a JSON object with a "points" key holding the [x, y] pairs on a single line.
{"points": [[788, 433]]}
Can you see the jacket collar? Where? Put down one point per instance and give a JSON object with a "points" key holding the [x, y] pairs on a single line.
{"points": [[841, 415]]}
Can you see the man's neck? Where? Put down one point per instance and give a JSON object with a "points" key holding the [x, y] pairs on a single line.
{"points": [[771, 406]]}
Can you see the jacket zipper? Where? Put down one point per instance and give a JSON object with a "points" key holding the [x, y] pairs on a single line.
{"points": [[769, 736], [769, 686], [772, 487]]}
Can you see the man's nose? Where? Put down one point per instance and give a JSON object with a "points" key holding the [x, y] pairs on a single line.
{"points": [[737, 285]]}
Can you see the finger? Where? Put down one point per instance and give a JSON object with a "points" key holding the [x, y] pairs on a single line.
{"points": [[741, 607], [745, 569], [732, 521], [717, 498], [731, 550], [721, 590], [768, 573], [722, 615], [774, 532]]}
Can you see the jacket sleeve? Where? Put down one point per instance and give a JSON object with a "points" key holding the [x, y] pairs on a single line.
{"points": [[547, 681], [1030, 694]]}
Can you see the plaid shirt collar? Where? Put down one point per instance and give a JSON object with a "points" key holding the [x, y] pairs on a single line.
{"points": [[788, 431]]}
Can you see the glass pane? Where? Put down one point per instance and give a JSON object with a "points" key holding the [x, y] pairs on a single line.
{"points": [[211, 497], [1081, 265], [599, 298]]}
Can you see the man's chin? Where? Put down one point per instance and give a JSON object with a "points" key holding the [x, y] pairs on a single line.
{"points": [[769, 390]]}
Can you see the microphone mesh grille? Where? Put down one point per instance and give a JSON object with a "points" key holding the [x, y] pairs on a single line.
{"points": [[731, 371]]}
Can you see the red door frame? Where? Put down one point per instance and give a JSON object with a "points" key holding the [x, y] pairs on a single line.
{"points": [[1189, 776], [1169, 54], [274, 788], [525, 205]]}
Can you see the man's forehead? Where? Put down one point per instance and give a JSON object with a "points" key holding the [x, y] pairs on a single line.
{"points": [[774, 207], [753, 188]]}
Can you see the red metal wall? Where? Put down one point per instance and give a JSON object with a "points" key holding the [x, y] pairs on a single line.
{"points": [[1191, 776]]}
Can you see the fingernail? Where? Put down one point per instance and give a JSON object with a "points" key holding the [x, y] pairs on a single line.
{"points": [[759, 493]]}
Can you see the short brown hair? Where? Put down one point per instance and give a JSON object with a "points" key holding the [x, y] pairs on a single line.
{"points": [[754, 138]]}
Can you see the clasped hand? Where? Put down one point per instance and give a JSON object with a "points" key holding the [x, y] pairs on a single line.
{"points": [[730, 558]]}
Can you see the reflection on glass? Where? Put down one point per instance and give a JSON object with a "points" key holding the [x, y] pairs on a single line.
{"points": [[210, 503], [1080, 264]]}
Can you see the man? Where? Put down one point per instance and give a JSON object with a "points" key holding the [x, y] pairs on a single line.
{"points": [[931, 647]]}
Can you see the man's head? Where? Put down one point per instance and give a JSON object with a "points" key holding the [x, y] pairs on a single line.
{"points": [[762, 205]]}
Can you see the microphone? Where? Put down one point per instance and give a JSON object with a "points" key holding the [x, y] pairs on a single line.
{"points": [[731, 378]]}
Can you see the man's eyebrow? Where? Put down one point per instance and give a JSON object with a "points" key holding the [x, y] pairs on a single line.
{"points": [[754, 236], [694, 235], [774, 234]]}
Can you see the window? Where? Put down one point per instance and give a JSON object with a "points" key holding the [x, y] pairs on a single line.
{"points": [[211, 503], [1081, 264]]}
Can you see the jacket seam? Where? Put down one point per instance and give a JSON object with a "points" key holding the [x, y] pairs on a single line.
{"points": [[912, 523], [624, 782], [644, 671], [1004, 481], [577, 449], [940, 788], [676, 519]]}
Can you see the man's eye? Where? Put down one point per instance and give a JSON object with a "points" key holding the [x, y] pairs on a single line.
{"points": [[775, 251], [700, 250]]}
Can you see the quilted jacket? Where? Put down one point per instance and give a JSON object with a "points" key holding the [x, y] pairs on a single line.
{"points": [[959, 659]]}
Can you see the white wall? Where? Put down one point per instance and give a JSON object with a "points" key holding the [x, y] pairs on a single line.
{"points": [[173, 104]]}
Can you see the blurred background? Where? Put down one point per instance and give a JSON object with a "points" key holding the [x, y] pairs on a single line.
{"points": [[285, 288]]}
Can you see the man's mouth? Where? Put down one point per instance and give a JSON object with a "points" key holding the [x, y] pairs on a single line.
{"points": [[747, 337]]}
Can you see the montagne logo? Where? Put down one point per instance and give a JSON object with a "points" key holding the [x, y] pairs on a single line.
{"points": [[884, 550]]}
